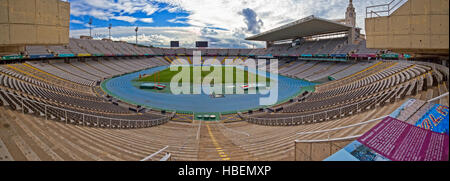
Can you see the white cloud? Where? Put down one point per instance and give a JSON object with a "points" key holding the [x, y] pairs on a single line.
{"points": [[125, 18], [81, 23], [161, 36], [226, 14], [180, 20], [76, 22], [146, 20], [106, 9], [170, 9], [149, 9]]}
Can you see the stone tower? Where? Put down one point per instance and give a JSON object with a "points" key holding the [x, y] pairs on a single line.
{"points": [[350, 15]]}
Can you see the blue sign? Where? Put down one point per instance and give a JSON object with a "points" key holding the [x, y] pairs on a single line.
{"points": [[66, 55], [436, 119], [42, 56]]}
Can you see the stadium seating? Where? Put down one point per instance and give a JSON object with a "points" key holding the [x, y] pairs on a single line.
{"points": [[54, 108], [66, 100], [383, 83]]}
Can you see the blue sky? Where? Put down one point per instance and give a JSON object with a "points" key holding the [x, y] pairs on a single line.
{"points": [[162, 17], [224, 23]]}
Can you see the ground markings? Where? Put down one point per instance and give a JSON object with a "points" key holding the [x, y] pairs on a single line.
{"points": [[230, 118], [219, 150], [183, 118]]}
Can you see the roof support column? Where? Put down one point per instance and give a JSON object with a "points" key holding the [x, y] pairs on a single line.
{"points": [[269, 44], [352, 36]]}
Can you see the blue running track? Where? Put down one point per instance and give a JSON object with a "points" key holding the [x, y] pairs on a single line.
{"points": [[122, 88]]}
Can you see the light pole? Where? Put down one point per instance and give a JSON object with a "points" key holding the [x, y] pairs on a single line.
{"points": [[90, 27], [137, 28], [110, 25]]}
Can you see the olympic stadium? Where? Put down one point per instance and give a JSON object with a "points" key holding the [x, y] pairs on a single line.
{"points": [[87, 99]]}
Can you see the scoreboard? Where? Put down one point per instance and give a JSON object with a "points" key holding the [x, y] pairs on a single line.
{"points": [[201, 44], [174, 44]]}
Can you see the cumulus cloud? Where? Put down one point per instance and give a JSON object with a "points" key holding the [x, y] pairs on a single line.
{"points": [[149, 9], [108, 9], [253, 24], [80, 23], [179, 20], [146, 20], [161, 36], [238, 19], [207, 31], [125, 18], [156, 36], [227, 13], [76, 22]]}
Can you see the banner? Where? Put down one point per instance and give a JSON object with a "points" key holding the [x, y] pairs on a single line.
{"points": [[84, 55], [400, 141], [396, 140], [66, 55], [41, 56], [12, 57], [436, 119]]}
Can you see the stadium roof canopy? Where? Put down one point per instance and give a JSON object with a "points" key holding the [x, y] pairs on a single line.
{"points": [[308, 26]]}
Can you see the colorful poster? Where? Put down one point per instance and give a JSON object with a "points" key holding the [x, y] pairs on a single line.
{"points": [[396, 140], [436, 119], [400, 141]]}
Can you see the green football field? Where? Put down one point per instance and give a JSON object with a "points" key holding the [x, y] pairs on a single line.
{"points": [[166, 76]]}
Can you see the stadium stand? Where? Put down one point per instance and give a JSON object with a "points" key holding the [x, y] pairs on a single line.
{"points": [[384, 83], [70, 99], [52, 106], [65, 91]]}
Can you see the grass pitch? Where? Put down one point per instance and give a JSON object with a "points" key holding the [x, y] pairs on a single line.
{"points": [[166, 76]]}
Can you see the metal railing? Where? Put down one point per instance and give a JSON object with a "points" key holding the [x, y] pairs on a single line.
{"points": [[164, 158], [351, 126], [77, 118], [299, 120], [344, 127], [312, 118], [384, 9], [328, 140], [328, 131], [438, 98]]}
